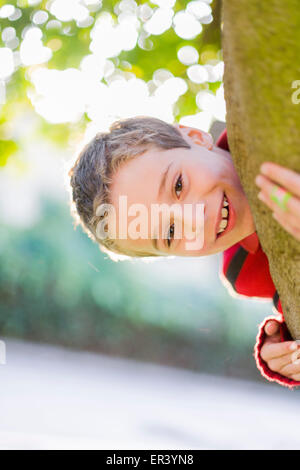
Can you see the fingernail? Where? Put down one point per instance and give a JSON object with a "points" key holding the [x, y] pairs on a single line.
{"points": [[261, 196], [264, 169], [293, 346], [259, 180]]}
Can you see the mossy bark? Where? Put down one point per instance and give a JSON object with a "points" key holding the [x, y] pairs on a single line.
{"points": [[261, 46]]}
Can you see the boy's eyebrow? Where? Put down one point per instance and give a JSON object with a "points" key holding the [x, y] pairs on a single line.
{"points": [[160, 189], [163, 180]]}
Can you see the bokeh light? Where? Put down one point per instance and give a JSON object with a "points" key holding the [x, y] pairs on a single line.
{"points": [[32, 50], [66, 95], [186, 25], [6, 62], [160, 21], [188, 55], [7, 11]]}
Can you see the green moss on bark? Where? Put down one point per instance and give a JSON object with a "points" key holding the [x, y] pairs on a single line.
{"points": [[261, 46]]}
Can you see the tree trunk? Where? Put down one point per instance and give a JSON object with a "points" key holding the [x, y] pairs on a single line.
{"points": [[261, 46]]}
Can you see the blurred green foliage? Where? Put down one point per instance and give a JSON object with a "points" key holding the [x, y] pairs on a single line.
{"points": [[7, 147], [56, 286], [70, 43]]}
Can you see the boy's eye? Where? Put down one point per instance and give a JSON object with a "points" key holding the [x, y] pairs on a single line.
{"points": [[170, 235], [178, 186]]}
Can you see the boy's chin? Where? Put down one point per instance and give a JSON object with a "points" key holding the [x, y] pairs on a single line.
{"points": [[227, 241]]}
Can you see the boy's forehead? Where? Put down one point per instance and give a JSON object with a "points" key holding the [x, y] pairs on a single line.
{"points": [[139, 177]]}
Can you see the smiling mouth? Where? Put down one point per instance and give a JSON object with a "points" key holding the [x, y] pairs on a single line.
{"points": [[224, 217]]}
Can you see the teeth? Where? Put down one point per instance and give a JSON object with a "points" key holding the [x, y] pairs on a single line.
{"points": [[224, 213], [223, 223], [222, 226]]}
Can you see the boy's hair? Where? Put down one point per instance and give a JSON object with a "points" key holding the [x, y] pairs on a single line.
{"points": [[91, 175]]}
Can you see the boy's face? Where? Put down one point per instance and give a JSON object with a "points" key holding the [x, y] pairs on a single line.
{"points": [[199, 175]]}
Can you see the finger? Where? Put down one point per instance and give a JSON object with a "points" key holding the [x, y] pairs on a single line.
{"points": [[283, 176], [296, 377], [271, 328], [285, 363], [290, 221], [292, 205], [291, 369], [295, 231], [288, 218], [273, 350]]}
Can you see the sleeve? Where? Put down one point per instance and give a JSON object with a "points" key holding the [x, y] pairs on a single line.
{"points": [[260, 339], [248, 275]]}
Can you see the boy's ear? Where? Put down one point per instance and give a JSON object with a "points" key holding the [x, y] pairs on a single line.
{"points": [[196, 135]]}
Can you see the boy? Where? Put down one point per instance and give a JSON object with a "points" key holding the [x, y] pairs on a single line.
{"points": [[152, 162]]}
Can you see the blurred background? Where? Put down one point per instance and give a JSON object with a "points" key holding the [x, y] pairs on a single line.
{"points": [[68, 69]]}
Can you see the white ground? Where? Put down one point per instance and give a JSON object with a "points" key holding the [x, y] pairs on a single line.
{"points": [[53, 398]]}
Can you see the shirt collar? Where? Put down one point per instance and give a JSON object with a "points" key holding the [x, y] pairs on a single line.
{"points": [[250, 243]]}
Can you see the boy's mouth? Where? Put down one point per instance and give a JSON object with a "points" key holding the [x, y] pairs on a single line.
{"points": [[224, 218]]}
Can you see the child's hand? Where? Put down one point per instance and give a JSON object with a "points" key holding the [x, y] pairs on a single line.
{"points": [[281, 357], [282, 185]]}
